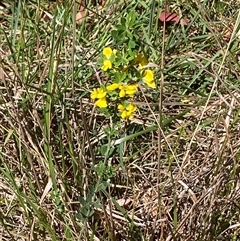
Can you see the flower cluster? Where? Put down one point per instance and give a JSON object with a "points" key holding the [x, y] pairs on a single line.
{"points": [[126, 75], [127, 111], [124, 90]]}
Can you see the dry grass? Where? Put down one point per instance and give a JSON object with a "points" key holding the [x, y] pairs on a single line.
{"points": [[64, 176]]}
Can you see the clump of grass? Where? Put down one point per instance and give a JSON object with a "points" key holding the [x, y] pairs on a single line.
{"points": [[135, 144]]}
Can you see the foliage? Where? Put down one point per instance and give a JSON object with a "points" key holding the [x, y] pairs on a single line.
{"points": [[124, 127]]}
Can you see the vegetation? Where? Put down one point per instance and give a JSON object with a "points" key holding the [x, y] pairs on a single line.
{"points": [[122, 124]]}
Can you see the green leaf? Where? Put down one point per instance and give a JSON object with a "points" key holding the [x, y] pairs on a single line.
{"points": [[131, 44]]}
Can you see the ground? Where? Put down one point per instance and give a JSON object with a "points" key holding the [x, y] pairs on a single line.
{"points": [[70, 170]]}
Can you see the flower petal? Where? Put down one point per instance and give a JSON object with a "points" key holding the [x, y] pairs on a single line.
{"points": [[106, 65], [151, 84], [101, 103], [131, 108], [148, 76], [130, 116], [94, 94], [107, 52], [113, 87], [131, 89], [122, 93], [101, 93], [121, 107], [124, 114]]}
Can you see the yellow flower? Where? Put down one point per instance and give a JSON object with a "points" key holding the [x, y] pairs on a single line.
{"points": [[128, 90], [113, 87], [152, 84], [141, 60], [121, 107], [131, 107], [148, 78], [131, 89], [122, 92], [106, 65], [124, 114], [94, 94], [127, 113], [107, 52], [101, 103], [98, 93]]}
